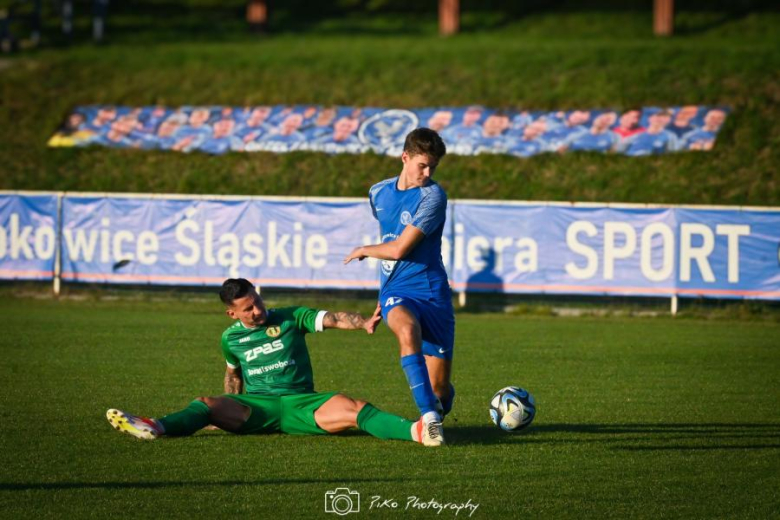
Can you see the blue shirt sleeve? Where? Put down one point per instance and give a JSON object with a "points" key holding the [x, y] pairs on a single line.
{"points": [[432, 211]]}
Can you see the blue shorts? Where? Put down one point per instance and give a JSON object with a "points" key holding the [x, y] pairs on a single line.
{"points": [[436, 319]]}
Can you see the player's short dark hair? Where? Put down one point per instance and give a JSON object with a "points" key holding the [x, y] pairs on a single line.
{"points": [[425, 141], [234, 289]]}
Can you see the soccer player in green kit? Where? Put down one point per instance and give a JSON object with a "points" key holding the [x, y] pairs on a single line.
{"points": [[265, 351]]}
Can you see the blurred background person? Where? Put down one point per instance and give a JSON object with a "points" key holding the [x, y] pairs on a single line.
{"points": [[684, 120], [628, 124], [704, 137], [657, 139], [599, 138]]}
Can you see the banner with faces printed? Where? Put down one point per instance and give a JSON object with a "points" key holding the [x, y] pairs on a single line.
{"points": [[337, 129]]}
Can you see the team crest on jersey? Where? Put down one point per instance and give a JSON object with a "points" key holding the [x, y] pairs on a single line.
{"points": [[273, 332], [386, 131], [406, 218], [388, 266]]}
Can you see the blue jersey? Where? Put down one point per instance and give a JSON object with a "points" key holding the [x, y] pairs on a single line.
{"points": [[529, 148], [604, 142], [650, 144], [700, 137], [421, 273], [462, 134]]}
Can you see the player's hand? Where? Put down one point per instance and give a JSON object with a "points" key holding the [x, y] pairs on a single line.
{"points": [[373, 322], [356, 254], [211, 427]]}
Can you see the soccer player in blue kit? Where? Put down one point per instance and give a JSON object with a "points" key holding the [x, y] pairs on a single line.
{"points": [[415, 297]]}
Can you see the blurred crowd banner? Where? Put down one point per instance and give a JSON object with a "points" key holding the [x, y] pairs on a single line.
{"points": [[466, 130], [559, 248]]}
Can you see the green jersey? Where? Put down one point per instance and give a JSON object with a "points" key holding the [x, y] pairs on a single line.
{"points": [[273, 357]]}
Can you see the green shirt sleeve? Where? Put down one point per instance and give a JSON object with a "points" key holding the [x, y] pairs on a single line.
{"points": [[230, 358], [308, 320]]}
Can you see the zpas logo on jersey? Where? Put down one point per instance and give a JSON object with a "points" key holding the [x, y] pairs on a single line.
{"points": [[266, 349]]}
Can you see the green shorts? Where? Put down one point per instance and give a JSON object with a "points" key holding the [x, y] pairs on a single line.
{"points": [[292, 414]]}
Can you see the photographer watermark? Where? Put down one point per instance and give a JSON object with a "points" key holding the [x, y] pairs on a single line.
{"points": [[343, 501], [414, 503]]}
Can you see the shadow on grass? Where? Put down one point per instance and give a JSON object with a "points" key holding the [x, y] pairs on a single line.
{"points": [[674, 436], [45, 486]]}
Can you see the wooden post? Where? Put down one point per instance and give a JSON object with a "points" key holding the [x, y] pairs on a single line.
{"points": [[663, 17], [257, 15], [449, 17]]}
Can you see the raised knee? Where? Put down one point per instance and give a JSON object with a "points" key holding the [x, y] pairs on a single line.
{"points": [[211, 402], [408, 333]]}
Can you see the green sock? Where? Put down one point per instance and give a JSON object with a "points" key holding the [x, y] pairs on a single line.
{"points": [[187, 421], [384, 425]]}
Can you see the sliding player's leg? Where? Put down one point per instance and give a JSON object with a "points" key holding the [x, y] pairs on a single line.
{"points": [[340, 413], [330, 412], [223, 412]]}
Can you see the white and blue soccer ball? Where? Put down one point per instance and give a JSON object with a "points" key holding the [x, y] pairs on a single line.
{"points": [[512, 408]]}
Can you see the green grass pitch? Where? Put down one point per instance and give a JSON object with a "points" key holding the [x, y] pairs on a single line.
{"points": [[637, 418]]}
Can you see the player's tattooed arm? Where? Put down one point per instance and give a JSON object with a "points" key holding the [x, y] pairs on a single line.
{"points": [[352, 321], [234, 383]]}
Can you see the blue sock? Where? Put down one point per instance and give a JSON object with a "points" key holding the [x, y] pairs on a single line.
{"points": [[417, 375]]}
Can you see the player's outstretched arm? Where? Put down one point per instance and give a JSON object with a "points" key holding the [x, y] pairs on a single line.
{"points": [[234, 382], [352, 321], [392, 250]]}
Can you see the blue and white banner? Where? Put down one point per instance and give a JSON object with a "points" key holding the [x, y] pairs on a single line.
{"points": [[28, 236], [617, 250], [466, 130], [487, 247], [289, 243]]}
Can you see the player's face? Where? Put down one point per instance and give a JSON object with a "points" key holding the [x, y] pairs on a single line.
{"points": [[325, 117], [685, 114], [258, 116], [250, 310], [198, 117], [471, 117], [534, 130], [223, 128], [439, 120], [418, 169], [578, 117], [494, 125], [604, 121], [291, 123], [630, 119], [714, 118], [659, 121], [344, 127]]}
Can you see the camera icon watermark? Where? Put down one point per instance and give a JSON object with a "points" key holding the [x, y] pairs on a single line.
{"points": [[342, 501]]}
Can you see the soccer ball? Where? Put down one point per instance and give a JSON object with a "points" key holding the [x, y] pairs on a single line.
{"points": [[512, 409]]}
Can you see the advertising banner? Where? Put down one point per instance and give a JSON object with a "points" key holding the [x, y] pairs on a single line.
{"points": [[616, 250], [501, 247], [28, 236]]}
